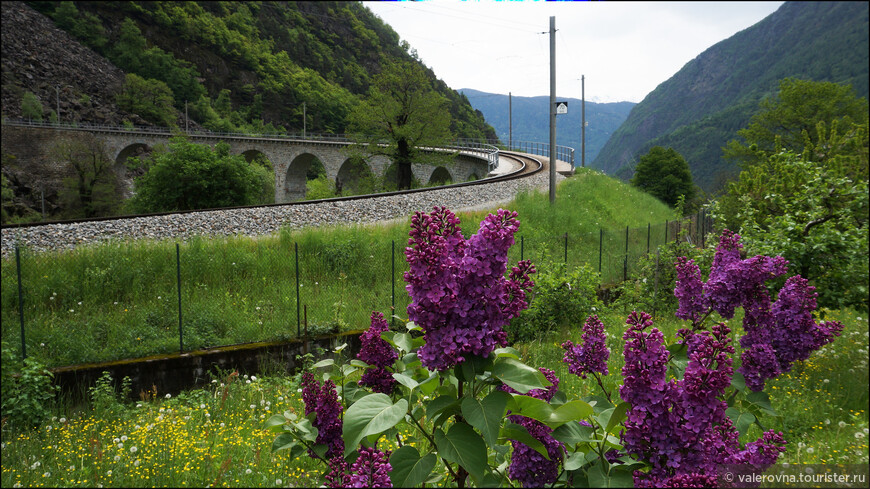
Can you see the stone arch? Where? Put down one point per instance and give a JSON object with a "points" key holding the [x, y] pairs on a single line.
{"points": [[134, 149], [355, 177], [255, 154], [440, 176], [304, 167], [472, 177]]}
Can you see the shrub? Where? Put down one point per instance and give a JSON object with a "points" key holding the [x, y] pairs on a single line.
{"points": [[27, 394], [559, 299]]}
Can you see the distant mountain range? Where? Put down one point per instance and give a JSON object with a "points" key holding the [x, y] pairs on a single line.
{"points": [[531, 120], [703, 105]]}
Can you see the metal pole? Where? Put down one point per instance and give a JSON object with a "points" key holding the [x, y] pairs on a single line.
{"points": [[522, 247], [552, 110], [566, 248], [178, 276], [298, 320], [510, 122], [186, 120], [393, 280], [625, 260], [583, 121], [20, 303], [666, 232], [648, 229], [304, 119], [600, 247]]}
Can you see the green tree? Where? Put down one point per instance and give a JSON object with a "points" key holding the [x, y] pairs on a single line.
{"points": [[664, 174], [151, 99], [401, 114], [788, 119], [195, 176], [31, 107], [92, 188], [813, 214]]}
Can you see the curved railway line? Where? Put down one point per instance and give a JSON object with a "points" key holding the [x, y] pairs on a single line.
{"points": [[266, 219]]}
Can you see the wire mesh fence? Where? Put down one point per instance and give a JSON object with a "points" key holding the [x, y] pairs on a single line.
{"points": [[127, 301]]}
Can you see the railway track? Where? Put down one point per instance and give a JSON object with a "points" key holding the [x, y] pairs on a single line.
{"points": [[528, 166]]}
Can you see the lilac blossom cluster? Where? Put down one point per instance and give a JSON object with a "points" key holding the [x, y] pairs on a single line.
{"points": [[377, 352], [322, 399], [680, 427], [371, 469], [591, 355], [527, 465], [460, 297], [776, 334]]}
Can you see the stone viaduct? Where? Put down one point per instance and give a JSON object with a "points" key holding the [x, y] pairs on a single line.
{"points": [[291, 158]]}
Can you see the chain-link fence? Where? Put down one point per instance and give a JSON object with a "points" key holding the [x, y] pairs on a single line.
{"points": [[127, 301]]}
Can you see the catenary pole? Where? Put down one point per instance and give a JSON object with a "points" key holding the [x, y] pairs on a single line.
{"points": [[552, 110]]}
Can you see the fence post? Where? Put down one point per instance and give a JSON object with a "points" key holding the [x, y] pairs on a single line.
{"points": [[298, 319], [648, 229], [600, 243], [522, 247], [20, 302], [566, 248], [178, 277], [625, 260], [393, 281], [666, 232]]}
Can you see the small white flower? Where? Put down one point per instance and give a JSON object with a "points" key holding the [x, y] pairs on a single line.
{"points": [[842, 424], [158, 297], [298, 390], [71, 310], [117, 458], [280, 398], [123, 437], [827, 421], [42, 344], [253, 378], [35, 465], [187, 418], [859, 435], [247, 381], [136, 463], [826, 380], [47, 474], [72, 468], [202, 406], [168, 396], [120, 445], [253, 406], [810, 450], [80, 302], [133, 449], [248, 471], [51, 298], [223, 425], [278, 482], [207, 415], [137, 427], [116, 440], [109, 473], [63, 420], [116, 303]]}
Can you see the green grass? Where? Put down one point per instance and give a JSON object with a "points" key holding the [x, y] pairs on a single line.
{"points": [[239, 289]]}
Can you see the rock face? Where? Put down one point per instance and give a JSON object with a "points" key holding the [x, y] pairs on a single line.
{"points": [[38, 57]]}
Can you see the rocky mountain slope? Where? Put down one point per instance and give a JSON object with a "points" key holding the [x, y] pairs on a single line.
{"points": [[703, 105]]}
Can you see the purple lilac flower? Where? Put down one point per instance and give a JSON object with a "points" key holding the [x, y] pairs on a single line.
{"points": [[376, 351], [527, 465], [780, 334], [337, 475], [371, 469], [593, 354], [323, 401], [461, 298], [690, 291], [680, 427]]}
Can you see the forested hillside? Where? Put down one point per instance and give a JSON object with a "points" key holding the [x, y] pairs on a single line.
{"points": [[252, 65], [531, 119], [702, 106]]}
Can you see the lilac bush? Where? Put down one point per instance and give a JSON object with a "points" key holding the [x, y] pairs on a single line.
{"points": [[377, 352], [776, 334], [460, 296], [371, 469], [679, 426]]}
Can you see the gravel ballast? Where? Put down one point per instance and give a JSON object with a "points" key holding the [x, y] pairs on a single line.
{"points": [[267, 220]]}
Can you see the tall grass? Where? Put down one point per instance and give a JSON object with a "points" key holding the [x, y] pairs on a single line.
{"points": [[120, 299]]}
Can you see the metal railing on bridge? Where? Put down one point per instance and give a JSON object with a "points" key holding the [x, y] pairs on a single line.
{"points": [[563, 153], [485, 150]]}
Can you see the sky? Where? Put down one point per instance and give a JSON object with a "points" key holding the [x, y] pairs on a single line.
{"points": [[624, 49]]}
